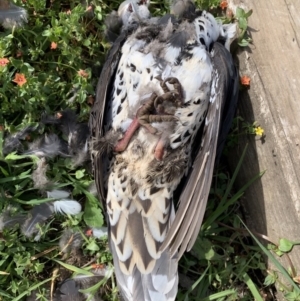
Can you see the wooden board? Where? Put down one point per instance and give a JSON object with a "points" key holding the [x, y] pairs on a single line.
{"points": [[273, 100]]}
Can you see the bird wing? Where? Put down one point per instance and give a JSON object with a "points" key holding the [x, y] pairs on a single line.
{"points": [[193, 199], [97, 113]]}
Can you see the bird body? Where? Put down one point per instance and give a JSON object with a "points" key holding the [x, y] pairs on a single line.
{"points": [[162, 84]]}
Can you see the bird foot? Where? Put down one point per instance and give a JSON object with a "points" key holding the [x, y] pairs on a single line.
{"points": [[154, 111]]}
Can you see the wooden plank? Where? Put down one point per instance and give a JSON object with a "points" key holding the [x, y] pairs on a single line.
{"points": [[273, 100]]}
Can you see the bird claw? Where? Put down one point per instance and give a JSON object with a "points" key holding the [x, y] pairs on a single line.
{"points": [[152, 111]]}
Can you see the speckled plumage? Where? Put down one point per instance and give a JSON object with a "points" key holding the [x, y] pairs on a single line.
{"points": [[145, 231]]}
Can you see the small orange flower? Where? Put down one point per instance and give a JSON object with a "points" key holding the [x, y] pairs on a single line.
{"points": [[68, 12], [20, 79], [89, 8], [3, 62], [89, 232], [53, 45], [83, 73], [245, 80], [223, 4], [97, 266], [1, 128]]}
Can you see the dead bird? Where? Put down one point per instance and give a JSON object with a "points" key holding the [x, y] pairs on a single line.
{"points": [[171, 89]]}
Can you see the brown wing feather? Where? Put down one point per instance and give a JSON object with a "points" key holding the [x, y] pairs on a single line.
{"points": [[193, 199], [97, 112]]}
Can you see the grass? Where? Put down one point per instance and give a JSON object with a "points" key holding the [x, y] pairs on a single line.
{"points": [[60, 53]]}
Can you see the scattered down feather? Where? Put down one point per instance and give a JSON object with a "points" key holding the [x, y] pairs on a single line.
{"points": [[70, 241], [57, 194], [76, 134], [48, 146], [9, 218], [11, 15], [100, 232], [39, 177], [70, 289], [39, 214], [66, 206], [13, 142], [113, 24]]}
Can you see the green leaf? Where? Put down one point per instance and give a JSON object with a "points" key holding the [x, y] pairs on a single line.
{"points": [[73, 268], [79, 174], [292, 296], [4, 171], [275, 262], [255, 293], [92, 212], [239, 13], [286, 245], [32, 288], [270, 279], [93, 246], [87, 42], [248, 14], [22, 176], [47, 33], [243, 23], [243, 43]]}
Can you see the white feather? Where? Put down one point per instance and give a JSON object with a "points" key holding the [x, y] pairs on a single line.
{"points": [[57, 194], [99, 232], [67, 206]]}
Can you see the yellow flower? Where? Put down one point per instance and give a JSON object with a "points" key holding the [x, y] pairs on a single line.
{"points": [[259, 131]]}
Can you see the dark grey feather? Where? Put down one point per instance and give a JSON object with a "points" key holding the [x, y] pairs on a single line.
{"points": [[179, 39], [96, 116], [13, 142], [70, 241], [48, 146], [182, 8], [8, 218], [37, 216], [164, 20], [76, 133], [69, 289], [113, 24], [12, 15]]}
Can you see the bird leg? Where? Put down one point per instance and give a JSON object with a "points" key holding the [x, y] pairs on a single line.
{"points": [[175, 95], [154, 111]]}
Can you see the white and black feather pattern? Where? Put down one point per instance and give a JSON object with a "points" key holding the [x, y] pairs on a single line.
{"points": [[136, 188]]}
